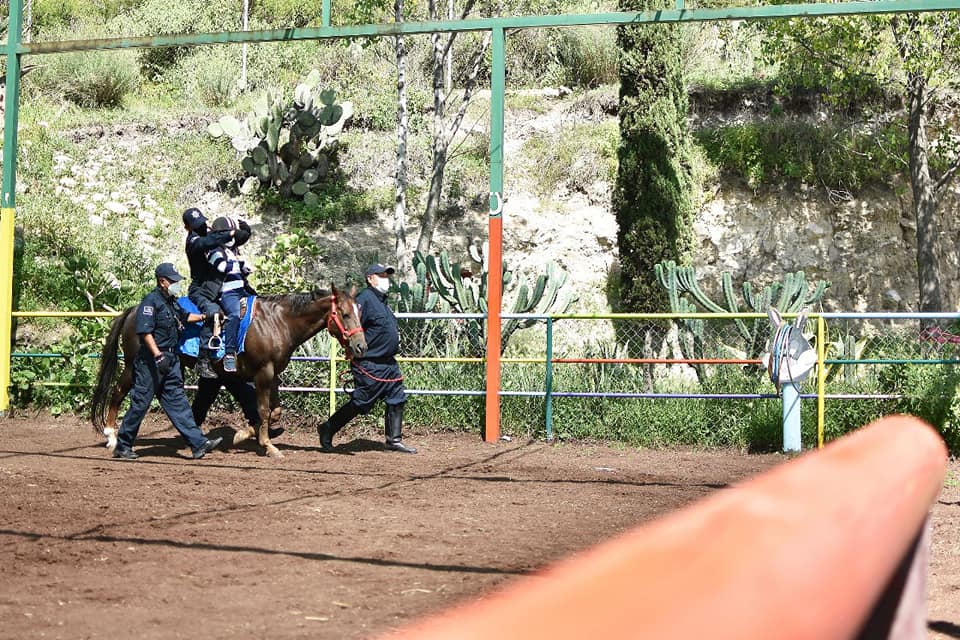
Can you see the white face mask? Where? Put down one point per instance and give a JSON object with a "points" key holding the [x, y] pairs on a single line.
{"points": [[381, 284], [175, 288]]}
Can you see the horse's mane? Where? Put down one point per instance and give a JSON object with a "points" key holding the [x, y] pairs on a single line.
{"points": [[297, 301]]}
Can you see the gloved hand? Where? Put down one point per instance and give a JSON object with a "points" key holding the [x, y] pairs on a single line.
{"points": [[165, 362], [243, 232], [245, 268]]}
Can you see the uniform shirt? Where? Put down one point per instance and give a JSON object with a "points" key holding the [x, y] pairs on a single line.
{"points": [[379, 325], [162, 317], [197, 247]]}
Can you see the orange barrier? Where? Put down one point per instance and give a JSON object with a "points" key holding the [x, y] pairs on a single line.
{"points": [[805, 550]]}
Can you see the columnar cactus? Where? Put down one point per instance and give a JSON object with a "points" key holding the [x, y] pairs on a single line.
{"points": [[445, 286], [288, 144], [790, 296]]}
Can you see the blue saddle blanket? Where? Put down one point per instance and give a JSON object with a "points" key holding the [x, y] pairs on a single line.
{"points": [[190, 336]]}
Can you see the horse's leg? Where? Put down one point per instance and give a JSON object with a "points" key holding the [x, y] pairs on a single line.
{"points": [[264, 381], [119, 393], [275, 409]]}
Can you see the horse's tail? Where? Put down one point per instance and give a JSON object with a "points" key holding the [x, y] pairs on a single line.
{"points": [[108, 372]]}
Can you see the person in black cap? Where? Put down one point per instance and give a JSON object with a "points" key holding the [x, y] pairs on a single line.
{"points": [[156, 369], [377, 375], [205, 281]]}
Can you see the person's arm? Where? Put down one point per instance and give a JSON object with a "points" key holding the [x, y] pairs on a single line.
{"points": [[210, 241], [151, 344], [219, 260]]}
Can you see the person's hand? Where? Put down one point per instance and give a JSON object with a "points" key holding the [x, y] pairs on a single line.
{"points": [[245, 269], [165, 363]]}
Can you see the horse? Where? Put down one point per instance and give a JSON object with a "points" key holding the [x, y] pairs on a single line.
{"points": [[280, 324]]}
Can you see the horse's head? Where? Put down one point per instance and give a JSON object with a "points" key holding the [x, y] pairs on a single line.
{"points": [[344, 321]]}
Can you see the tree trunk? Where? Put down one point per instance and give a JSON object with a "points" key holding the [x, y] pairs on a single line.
{"points": [[439, 151], [400, 180], [922, 184]]}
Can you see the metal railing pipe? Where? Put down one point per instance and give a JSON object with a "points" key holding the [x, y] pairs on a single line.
{"points": [[820, 547]]}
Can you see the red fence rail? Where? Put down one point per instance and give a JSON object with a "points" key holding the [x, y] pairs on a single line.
{"points": [[829, 545]]}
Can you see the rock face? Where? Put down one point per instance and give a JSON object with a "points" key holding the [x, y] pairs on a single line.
{"points": [[865, 247]]}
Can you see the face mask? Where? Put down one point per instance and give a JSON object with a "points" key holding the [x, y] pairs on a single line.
{"points": [[175, 288], [230, 242], [381, 284]]}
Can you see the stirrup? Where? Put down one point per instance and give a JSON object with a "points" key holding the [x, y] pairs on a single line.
{"points": [[215, 343]]}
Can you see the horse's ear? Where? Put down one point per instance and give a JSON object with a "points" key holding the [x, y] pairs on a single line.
{"points": [[774, 316], [801, 320]]}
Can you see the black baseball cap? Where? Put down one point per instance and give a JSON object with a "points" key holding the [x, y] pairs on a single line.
{"points": [[168, 271], [379, 268], [193, 218]]}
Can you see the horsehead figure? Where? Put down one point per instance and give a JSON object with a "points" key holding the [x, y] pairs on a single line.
{"points": [[279, 325]]}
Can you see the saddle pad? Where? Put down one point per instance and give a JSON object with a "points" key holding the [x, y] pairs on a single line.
{"points": [[190, 336]]}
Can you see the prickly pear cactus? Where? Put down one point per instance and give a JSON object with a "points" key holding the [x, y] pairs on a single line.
{"points": [[288, 143]]}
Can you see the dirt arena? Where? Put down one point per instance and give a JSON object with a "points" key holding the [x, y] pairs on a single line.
{"points": [[342, 546]]}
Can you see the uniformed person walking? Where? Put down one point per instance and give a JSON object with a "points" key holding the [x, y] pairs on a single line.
{"points": [[377, 375], [156, 369]]}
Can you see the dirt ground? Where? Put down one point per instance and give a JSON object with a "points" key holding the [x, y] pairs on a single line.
{"points": [[345, 545]]}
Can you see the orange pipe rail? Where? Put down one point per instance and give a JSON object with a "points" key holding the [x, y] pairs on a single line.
{"points": [[804, 550]]}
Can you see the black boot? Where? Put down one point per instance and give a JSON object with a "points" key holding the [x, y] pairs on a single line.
{"points": [[394, 427], [328, 429]]}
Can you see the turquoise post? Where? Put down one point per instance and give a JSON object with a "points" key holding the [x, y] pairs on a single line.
{"points": [[790, 394]]}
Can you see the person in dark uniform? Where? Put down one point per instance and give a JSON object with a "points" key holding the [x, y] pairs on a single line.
{"points": [[205, 281], [377, 375], [156, 369]]}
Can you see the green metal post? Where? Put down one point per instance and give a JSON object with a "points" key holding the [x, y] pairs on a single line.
{"points": [[8, 202], [548, 383], [491, 432], [325, 16]]}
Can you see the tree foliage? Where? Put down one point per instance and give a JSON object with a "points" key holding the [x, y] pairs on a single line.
{"points": [[652, 195], [913, 55]]}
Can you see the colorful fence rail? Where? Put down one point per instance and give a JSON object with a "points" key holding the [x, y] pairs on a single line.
{"points": [[562, 365], [831, 545]]}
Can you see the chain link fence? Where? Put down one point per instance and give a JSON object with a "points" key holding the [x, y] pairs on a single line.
{"points": [[695, 379]]}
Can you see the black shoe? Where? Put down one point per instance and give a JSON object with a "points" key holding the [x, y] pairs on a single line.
{"points": [[230, 363], [125, 454], [275, 432], [204, 369], [206, 448], [326, 437], [398, 446]]}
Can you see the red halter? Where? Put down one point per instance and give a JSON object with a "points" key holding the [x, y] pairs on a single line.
{"points": [[335, 317]]}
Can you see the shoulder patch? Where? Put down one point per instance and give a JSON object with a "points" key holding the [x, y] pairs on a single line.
{"points": [[147, 310]]}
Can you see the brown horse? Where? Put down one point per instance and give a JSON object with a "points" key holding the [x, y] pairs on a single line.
{"points": [[280, 324]]}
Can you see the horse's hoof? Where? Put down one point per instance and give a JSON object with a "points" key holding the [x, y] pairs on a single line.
{"points": [[111, 435], [273, 452], [241, 436]]}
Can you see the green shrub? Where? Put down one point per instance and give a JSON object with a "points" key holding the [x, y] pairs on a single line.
{"points": [[579, 156], [152, 17], [210, 77], [833, 155], [95, 79], [576, 57]]}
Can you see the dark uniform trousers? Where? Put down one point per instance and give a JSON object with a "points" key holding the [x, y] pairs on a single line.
{"points": [[148, 384], [200, 296]]}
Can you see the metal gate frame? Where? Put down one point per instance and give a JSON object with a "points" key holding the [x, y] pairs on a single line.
{"points": [[16, 49]]}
